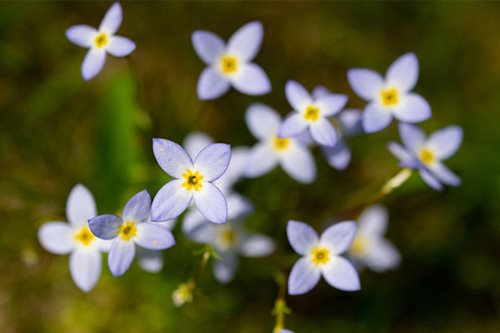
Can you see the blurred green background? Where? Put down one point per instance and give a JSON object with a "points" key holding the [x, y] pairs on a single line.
{"points": [[57, 130]]}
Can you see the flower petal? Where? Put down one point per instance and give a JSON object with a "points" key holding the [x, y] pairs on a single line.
{"points": [[235, 169], [251, 80], [331, 104], [245, 42], [208, 46], [324, 133], [237, 206], [170, 201], [153, 237], [56, 237], [350, 121], [112, 19], [261, 159], [365, 83], [413, 109], [80, 206], [297, 95], [403, 73], [257, 246], [195, 142], [320, 92], [430, 180], [382, 256], [138, 207], [412, 136], [338, 237], [446, 141], [338, 156], [299, 163], [301, 236], [262, 121], [400, 152], [303, 277], [212, 84], [120, 256], [373, 221], [340, 274], [211, 203], [293, 125], [375, 118], [213, 160], [225, 267], [196, 227], [85, 268], [171, 157], [150, 261], [445, 175], [81, 35], [105, 226], [93, 63], [120, 46]]}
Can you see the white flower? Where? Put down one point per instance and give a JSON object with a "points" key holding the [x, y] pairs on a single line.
{"points": [[101, 41], [152, 260], [321, 256], [369, 247], [311, 113], [294, 156], [231, 64], [75, 238], [391, 96]]}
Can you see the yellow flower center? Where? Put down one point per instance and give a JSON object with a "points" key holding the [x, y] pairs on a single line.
{"points": [[320, 255], [426, 156], [359, 246], [389, 97], [127, 230], [192, 180], [84, 236], [101, 40], [229, 64], [227, 237], [281, 144], [311, 113]]}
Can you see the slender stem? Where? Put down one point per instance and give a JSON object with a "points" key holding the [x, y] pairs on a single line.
{"points": [[280, 309]]}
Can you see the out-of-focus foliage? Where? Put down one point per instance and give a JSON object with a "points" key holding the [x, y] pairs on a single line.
{"points": [[57, 130]]}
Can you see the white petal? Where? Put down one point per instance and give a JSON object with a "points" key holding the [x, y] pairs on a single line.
{"points": [[445, 175], [373, 221], [105, 226], [93, 63], [446, 141], [171, 157], [235, 169], [263, 121], [303, 277], [375, 118], [120, 256], [350, 121], [261, 159], [245, 43], [251, 80], [138, 207], [170, 201], [213, 160], [208, 46], [403, 73], [237, 206], [211, 84], [383, 256], [340, 274], [320, 92], [195, 142], [399, 151], [257, 246], [112, 19], [293, 125], [56, 237], [323, 132], [301, 236], [413, 109], [81, 35], [338, 156], [225, 267], [297, 95], [299, 163], [197, 228], [211, 203], [120, 46], [153, 237], [430, 180], [365, 83], [150, 261], [338, 237], [85, 268], [331, 104], [80, 206], [412, 136]]}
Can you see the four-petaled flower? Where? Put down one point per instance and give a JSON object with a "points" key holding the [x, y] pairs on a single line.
{"points": [[426, 154], [311, 113], [75, 238], [133, 228], [231, 64], [193, 180], [101, 41], [289, 152], [392, 96], [321, 256]]}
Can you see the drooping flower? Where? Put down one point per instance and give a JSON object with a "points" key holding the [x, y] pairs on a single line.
{"points": [[228, 240], [101, 41], [392, 96], [293, 156], [369, 247], [231, 64], [192, 181], [133, 229], [75, 238], [311, 113], [427, 154], [321, 256]]}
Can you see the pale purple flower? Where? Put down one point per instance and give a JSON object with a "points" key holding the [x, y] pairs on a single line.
{"points": [[426, 154], [390, 96], [152, 260], [101, 41], [231, 64], [321, 257], [133, 229]]}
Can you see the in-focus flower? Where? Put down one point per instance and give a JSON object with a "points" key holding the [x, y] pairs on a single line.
{"points": [[101, 41], [294, 156], [192, 181], [321, 256], [75, 238], [228, 240], [231, 64], [152, 260], [427, 154], [133, 228], [392, 96], [311, 113], [369, 247]]}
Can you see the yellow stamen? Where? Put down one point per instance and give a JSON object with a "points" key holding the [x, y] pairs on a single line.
{"points": [[84, 236], [311, 113], [359, 246], [127, 230], [426, 156], [192, 180], [281, 144], [101, 40], [229, 64], [320, 255], [226, 237], [390, 97]]}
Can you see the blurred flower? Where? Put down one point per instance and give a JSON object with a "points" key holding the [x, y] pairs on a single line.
{"points": [[192, 180], [152, 260], [290, 153], [426, 154], [311, 113], [391, 96], [321, 257], [101, 41], [369, 247], [133, 229], [285, 331], [228, 240], [75, 238], [231, 64], [182, 295]]}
